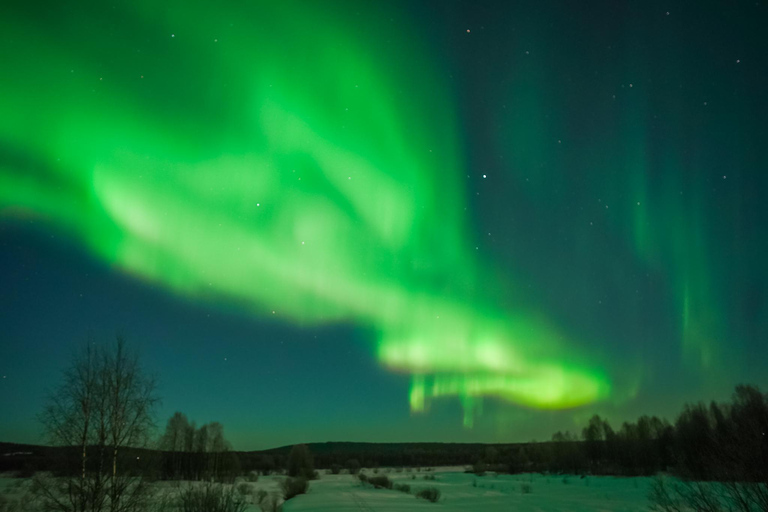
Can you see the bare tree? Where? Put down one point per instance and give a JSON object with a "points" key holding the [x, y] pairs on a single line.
{"points": [[103, 406], [176, 443], [300, 462]]}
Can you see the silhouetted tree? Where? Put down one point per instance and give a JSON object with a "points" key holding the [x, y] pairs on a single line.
{"points": [[353, 466], [594, 441], [722, 457], [103, 407], [300, 463], [175, 442]]}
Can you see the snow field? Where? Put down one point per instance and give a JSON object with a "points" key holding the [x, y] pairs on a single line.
{"points": [[466, 492]]}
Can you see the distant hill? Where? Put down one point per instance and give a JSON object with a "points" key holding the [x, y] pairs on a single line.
{"points": [[16, 457], [19, 457], [385, 454], [344, 447]]}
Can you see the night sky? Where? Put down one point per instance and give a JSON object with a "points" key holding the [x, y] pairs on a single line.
{"points": [[376, 221]]}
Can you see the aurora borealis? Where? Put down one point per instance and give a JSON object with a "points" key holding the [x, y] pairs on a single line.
{"points": [[531, 210]]}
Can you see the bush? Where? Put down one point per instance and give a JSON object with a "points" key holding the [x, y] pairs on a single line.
{"points": [[673, 495], [269, 504], [210, 498], [526, 488], [261, 495], [7, 505], [430, 494], [252, 477], [429, 477], [293, 487], [362, 477], [245, 489], [380, 482], [335, 469], [353, 466], [403, 488], [27, 471]]}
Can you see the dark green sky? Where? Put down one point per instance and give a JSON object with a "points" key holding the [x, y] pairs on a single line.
{"points": [[448, 221]]}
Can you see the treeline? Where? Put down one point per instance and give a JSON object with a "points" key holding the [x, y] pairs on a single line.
{"points": [[718, 441], [374, 455], [25, 459], [196, 453], [103, 452], [711, 441], [92, 440]]}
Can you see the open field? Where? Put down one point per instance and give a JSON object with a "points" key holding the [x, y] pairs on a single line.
{"points": [[466, 492], [459, 492]]}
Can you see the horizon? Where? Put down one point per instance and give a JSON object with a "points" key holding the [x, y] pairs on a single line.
{"points": [[451, 222]]}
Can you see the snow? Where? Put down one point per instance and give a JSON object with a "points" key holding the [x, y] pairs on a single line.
{"points": [[466, 492], [459, 492]]}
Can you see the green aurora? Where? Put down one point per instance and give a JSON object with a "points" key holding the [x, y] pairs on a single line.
{"points": [[307, 172]]}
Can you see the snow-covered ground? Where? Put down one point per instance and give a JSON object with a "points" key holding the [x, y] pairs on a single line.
{"points": [[459, 492], [466, 492]]}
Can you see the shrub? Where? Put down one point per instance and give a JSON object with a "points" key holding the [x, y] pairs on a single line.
{"points": [[673, 495], [335, 469], [261, 495], [252, 477], [362, 477], [245, 489], [429, 477], [27, 471], [498, 468], [353, 466], [430, 494], [7, 505], [161, 502], [380, 482], [403, 488], [210, 498], [526, 488], [270, 504], [293, 487]]}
